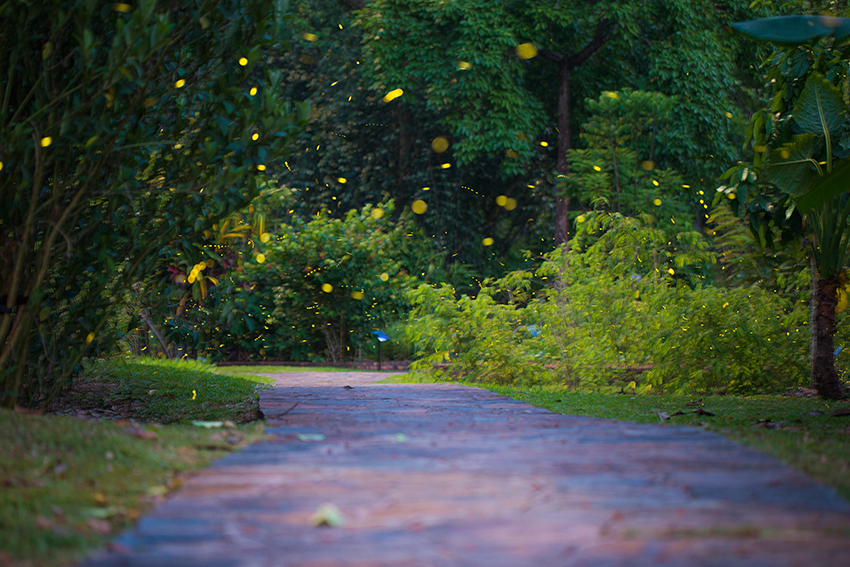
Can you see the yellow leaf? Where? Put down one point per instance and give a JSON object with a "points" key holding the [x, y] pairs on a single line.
{"points": [[120, 7]]}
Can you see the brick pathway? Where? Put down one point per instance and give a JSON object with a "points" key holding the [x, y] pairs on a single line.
{"points": [[447, 475]]}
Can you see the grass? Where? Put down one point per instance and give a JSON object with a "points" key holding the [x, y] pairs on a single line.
{"points": [[68, 485], [797, 430]]}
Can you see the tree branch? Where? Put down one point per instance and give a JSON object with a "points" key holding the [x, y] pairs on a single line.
{"points": [[600, 38]]}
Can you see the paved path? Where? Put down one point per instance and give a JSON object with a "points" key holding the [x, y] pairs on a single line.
{"points": [[446, 475]]}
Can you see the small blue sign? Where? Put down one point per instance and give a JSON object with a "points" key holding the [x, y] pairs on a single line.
{"points": [[382, 336]]}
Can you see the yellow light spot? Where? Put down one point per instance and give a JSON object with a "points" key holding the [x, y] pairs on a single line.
{"points": [[785, 154], [327, 288], [194, 394], [261, 258], [760, 149], [597, 168], [439, 144], [384, 277], [1, 166], [654, 182], [510, 204], [179, 84], [647, 165], [580, 219], [261, 167], [419, 207], [487, 241], [309, 36], [686, 186], [446, 165], [253, 91], [120, 7], [202, 265], [424, 188], [265, 237], [340, 26], [393, 94], [334, 83], [463, 65], [46, 141], [657, 202], [243, 61], [544, 144], [731, 195], [511, 154], [671, 271], [611, 95], [255, 137], [377, 213], [501, 200], [725, 304], [358, 295], [526, 50], [89, 338], [192, 277], [728, 115]]}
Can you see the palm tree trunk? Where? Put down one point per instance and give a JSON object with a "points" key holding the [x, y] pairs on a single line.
{"points": [[824, 375]]}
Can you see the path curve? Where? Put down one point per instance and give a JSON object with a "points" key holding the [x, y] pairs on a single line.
{"points": [[448, 475]]}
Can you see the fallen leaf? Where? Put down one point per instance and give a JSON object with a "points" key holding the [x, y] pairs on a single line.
{"points": [[328, 515], [347, 387], [814, 413], [663, 416], [208, 424], [844, 412], [311, 437], [700, 411], [158, 490]]}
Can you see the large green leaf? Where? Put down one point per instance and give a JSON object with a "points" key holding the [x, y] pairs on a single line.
{"points": [[794, 29], [825, 188], [820, 108], [792, 167]]}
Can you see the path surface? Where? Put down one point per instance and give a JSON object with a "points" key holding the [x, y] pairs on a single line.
{"points": [[446, 475]]}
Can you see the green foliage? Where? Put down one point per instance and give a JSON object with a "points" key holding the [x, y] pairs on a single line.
{"points": [[628, 310], [120, 131]]}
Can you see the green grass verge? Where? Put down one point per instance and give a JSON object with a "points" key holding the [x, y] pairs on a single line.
{"points": [[798, 431], [68, 485]]}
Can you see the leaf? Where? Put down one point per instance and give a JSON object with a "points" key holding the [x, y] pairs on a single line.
{"points": [[328, 515], [794, 29], [824, 189], [208, 424], [794, 173], [311, 437], [820, 107]]}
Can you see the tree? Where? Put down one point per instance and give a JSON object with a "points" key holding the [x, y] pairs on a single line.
{"points": [[508, 77], [806, 142], [122, 128]]}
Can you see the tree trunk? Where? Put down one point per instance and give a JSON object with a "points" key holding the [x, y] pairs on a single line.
{"points": [[562, 202], [824, 376]]}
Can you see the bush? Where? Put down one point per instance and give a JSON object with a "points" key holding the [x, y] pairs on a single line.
{"points": [[611, 321]]}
